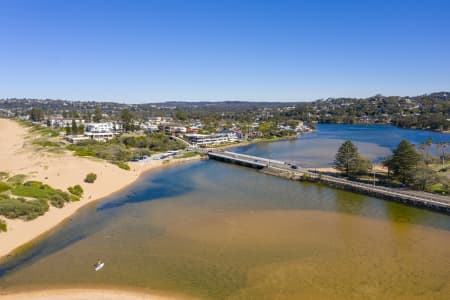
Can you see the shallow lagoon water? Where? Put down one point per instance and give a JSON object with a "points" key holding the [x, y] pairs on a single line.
{"points": [[317, 149], [218, 231]]}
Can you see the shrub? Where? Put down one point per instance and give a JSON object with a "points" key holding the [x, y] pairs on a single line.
{"points": [[58, 200], [122, 165], [90, 178], [76, 190], [74, 198], [4, 187], [17, 179], [3, 175], [46, 143], [21, 208], [3, 226], [36, 189], [4, 196]]}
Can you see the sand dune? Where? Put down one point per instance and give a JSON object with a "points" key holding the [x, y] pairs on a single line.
{"points": [[60, 170]]}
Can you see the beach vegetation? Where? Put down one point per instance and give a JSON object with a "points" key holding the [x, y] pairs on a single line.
{"points": [[125, 148], [3, 226], [4, 187], [122, 165], [4, 175], [90, 178], [46, 143], [12, 208], [76, 190], [16, 179], [38, 190], [44, 131]]}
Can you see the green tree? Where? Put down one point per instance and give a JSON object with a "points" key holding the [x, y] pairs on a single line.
{"points": [[81, 129], [68, 130], [423, 178], [265, 128], [90, 178], [97, 114], [404, 162], [126, 117], [181, 115], [346, 156], [360, 166], [74, 127], [36, 115]]}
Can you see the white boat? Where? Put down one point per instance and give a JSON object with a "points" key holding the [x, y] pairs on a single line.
{"points": [[99, 267]]}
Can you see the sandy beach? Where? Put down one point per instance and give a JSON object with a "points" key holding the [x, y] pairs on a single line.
{"points": [[84, 294], [59, 170], [379, 169]]}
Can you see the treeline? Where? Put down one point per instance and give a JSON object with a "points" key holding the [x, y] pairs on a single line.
{"points": [[421, 112], [430, 111], [406, 166]]}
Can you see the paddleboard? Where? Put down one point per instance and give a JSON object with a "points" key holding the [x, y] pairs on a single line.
{"points": [[99, 267]]}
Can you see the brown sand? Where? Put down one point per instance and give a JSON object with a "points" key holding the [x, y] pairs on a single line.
{"points": [[83, 294], [61, 170]]}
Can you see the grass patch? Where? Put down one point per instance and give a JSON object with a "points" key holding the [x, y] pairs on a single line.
{"points": [[3, 227], [76, 190], [4, 196], [38, 190], [4, 175], [4, 187], [46, 143], [122, 165], [439, 189], [74, 198], [44, 131], [82, 151], [90, 178], [20, 208], [17, 179]]}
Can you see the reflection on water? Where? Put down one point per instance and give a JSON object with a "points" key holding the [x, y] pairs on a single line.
{"points": [[318, 149], [218, 231]]}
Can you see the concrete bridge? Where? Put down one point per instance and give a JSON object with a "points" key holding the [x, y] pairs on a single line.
{"points": [[244, 160], [291, 171]]}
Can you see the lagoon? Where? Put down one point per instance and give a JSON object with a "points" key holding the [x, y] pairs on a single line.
{"points": [[218, 231]]}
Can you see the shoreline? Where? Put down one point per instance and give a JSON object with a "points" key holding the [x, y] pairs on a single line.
{"points": [[59, 215], [88, 294], [60, 171]]}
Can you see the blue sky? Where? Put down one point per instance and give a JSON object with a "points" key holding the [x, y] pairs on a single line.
{"points": [[159, 50]]}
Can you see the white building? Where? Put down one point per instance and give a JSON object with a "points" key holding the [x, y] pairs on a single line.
{"points": [[206, 139], [104, 127], [99, 136], [57, 122]]}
